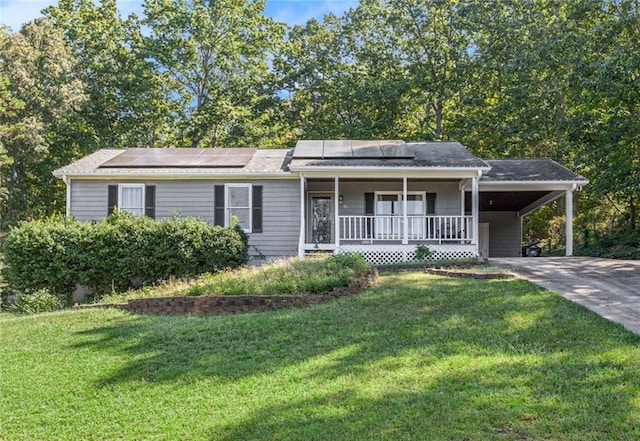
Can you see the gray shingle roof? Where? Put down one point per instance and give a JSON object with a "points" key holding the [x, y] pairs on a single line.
{"points": [[505, 170], [426, 154], [264, 161], [441, 154]]}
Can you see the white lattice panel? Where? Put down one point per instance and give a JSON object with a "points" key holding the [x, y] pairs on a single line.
{"points": [[389, 254]]}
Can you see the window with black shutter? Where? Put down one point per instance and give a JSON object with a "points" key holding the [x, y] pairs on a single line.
{"points": [[137, 199]]}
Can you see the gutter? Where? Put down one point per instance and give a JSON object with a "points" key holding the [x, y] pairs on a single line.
{"points": [[185, 176], [329, 168]]}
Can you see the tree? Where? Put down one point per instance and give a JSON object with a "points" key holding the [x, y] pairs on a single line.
{"points": [[128, 105], [39, 96], [315, 71], [606, 124], [430, 48], [213, 57]]}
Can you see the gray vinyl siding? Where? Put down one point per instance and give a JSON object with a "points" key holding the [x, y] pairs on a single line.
{"points": [[89, 200], [505, 233], [280, 218]]}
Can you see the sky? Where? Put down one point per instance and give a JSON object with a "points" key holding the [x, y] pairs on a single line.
{"points": [[14, 13]]}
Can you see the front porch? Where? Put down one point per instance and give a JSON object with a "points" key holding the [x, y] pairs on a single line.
{"points": [[385, 220]]}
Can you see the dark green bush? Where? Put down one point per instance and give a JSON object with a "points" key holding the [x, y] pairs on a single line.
{"points": [[36, 302], [115, 254]]}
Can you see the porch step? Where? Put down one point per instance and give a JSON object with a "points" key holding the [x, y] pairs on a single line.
{"points": [[317, 254]]}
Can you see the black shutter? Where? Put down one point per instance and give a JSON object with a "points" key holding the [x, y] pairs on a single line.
{"points": [[218, 205], [431, 203], [369, 210], [150, 201], [256, 209], [369, 199], [112, 198]]}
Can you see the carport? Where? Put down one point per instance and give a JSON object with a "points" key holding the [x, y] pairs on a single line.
{"points": [[514, 188]]}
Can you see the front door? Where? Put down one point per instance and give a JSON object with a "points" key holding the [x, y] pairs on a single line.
{"points": [[321, 219]]}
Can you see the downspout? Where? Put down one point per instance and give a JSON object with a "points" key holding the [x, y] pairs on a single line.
{"points": [[67, 183]]}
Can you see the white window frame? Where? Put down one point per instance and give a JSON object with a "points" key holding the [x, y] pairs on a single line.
{"points": [[144, 202], [400, 200], [227, 208]]}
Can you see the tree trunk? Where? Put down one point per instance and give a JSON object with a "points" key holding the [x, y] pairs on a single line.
{"points": [[439, 108]]}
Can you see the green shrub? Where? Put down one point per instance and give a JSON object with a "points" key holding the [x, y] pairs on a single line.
{"points": [[116, 253], [36, 302], [423, 253]]}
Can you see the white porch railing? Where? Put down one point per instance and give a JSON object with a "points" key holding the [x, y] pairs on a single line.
{"points": [[422, 228]]}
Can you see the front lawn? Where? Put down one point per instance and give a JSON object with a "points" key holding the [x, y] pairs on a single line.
{"points": [[415, 357]]}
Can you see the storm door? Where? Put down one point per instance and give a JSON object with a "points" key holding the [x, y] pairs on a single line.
{"points": [[321, 208]]}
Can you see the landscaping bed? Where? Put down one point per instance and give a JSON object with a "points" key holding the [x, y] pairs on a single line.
{"points": [[232, 304], [281, 284]]}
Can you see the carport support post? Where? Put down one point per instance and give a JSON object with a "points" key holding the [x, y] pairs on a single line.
{"points": [[475, 210], [569, 220]]}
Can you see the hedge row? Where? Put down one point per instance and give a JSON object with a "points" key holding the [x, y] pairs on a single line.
{"points": [[115, 254]]}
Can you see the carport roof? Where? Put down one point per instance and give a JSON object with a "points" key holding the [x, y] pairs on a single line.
{"points": [[536, 170]]}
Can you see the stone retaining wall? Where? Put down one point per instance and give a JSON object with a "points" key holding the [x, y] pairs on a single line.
{"points": [[468, 275], [227, 304]]}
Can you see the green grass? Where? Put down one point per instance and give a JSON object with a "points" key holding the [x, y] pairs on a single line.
{"points": [[415, 357]]}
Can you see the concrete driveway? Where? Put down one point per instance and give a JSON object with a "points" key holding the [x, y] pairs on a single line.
{"points": [[608, 287]]}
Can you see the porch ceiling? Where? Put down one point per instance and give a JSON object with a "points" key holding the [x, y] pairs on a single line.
{"points": [[395, 180], [505, 200]]}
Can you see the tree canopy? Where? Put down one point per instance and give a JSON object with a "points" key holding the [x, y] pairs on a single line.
{"points": [[507, 78]]}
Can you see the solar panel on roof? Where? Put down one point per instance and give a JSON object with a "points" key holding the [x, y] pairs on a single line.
{"points": [[396, 151], [350, 149], [308, 149], [337, 149], [366, 149], [181, 158]]}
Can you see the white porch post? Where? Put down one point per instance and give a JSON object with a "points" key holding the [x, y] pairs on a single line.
{"points": [[303, 227], [569, 220], [475, 210], [405, 218], [462, 202], [336, 204]]}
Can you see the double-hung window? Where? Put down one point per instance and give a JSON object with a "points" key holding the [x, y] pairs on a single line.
{"points": [[131, 198], [242, 201], [137, 199], [238, 204]]}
